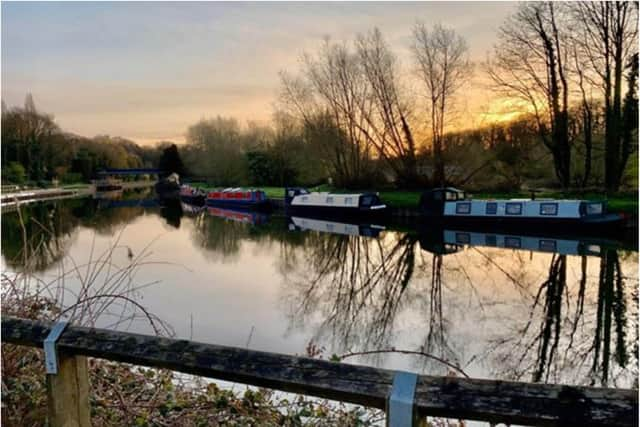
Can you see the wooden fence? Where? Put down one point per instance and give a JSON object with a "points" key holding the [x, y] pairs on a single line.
{"points": [[450, 397]]}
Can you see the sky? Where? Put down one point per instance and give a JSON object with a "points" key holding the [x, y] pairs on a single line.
{"points": [[148, 70]]}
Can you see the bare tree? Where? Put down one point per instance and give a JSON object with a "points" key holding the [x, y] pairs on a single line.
{"points": [[608, 39], [390, 130], [331, 98], [530, 63], [443, 66]]}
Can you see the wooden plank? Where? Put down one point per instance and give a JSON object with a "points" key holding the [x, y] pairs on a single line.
{"points": [[68, 393], [484, 400]]}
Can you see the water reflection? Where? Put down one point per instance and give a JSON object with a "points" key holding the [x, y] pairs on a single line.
{"points": [[520, 307]]}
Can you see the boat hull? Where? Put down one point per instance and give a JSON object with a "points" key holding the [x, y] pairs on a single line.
{"points": [[590, 225], [197, 200], [261, 205]]}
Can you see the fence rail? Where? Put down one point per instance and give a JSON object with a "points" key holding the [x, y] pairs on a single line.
{"points": [[451, 397]]}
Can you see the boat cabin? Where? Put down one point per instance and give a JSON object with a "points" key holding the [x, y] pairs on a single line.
{"points": [[451, 202], [301, 198]]}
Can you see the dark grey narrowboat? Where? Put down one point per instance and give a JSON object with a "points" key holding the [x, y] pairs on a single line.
{"points": [[450, 206], [320, 205]]}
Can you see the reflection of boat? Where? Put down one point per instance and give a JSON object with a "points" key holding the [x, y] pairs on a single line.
{"points": [[107, 184], [238, 215], [452, 207], [301, 201], [191, 209], [368, 230], [448, 241], [192, 195], [238, 198], [108, 195]]}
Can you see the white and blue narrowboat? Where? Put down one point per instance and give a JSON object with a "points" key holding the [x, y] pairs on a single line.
{"points": [[333, 227], [192, 195], [301, 201], [450, 206], [238, 198]]}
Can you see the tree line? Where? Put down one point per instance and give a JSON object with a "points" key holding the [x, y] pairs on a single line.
{"points": [[36, 150], [353, 116]]}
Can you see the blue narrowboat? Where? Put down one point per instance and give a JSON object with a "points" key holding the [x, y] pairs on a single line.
{"points": [[450, 206], [238, 198]]}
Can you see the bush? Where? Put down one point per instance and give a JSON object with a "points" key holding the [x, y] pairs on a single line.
{"points": [[14, 173], [71, 178]]}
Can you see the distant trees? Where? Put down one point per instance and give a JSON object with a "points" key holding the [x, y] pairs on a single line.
{"points": [[558, 56], [530, 63], [391, 132], [34, 148], [607, 39], [223, 153], [443, 67]]}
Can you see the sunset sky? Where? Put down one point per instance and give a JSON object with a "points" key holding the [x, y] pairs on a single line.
{"points": [[146, 71]]}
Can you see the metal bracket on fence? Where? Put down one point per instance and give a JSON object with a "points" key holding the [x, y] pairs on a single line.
{"points": [[50, 357], [400, 400]]}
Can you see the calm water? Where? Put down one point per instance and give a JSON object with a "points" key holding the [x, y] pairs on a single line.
{"points": [[543, 309]]}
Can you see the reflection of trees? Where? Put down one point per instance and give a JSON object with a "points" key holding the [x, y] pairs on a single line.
{"points": [[41, 232], [220, 237], [579, 333], [37, 236], [356, 283], [436, 341], [610, 317]]}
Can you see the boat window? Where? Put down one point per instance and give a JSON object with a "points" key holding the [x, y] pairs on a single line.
{"points": [[594, 208], [512, 242], [304, 198], [463, 208], [463, 238], [547, 245], [490, 240], [348, 200], [513, 209], [329, 199], [366, 200], [492, 208], [451, 195], [548, 209]]}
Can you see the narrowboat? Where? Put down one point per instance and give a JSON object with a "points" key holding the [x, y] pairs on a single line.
{"points": [[450, 206], [549, 244], [238, 215], [301, 201], [238, 198], [192, 195], [366, 230]]}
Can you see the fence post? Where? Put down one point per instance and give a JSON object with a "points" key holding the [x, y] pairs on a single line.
{"points": [[68, 393]]}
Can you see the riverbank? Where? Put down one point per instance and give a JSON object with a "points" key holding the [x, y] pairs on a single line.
{"points": [[18, 195], [406, 200]]}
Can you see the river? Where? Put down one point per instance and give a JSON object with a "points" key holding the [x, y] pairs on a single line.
{"points": [[541, 309]]}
